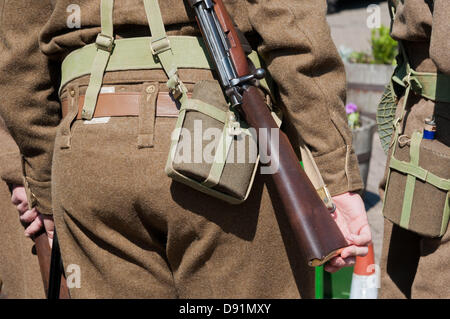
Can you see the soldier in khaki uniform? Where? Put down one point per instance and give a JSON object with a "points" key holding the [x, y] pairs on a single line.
{"points": [[415, 265], [19, 269], [131, 230]]}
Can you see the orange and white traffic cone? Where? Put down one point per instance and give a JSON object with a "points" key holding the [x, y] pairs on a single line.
{"points": [[365, 281]]}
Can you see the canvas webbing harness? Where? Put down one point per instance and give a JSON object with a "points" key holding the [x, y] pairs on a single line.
{"points": [[163, 57], [169, 53], [159, 45], [432, 86]]}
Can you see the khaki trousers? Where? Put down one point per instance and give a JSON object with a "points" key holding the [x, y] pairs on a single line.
{"points": [[19, 268], [134, 233], [413, 266]]}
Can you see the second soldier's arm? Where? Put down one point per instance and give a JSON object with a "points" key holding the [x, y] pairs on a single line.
{"points": [[28, 104], [301, 57]]}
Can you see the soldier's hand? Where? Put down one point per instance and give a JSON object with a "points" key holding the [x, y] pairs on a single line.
{"points": [[351, 218], [39, 223], [31, 219], [19, 199]]}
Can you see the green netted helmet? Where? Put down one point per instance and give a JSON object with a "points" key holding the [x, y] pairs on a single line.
{"points": [[386, 115]]}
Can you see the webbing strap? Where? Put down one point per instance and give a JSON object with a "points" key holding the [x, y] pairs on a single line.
{"points": [[220, 158], [410, 180], [446, 216], [205, 108], [160, 42], [105, 45], [106, 15], [398, 120], [398, 123], [433, 86], [420, 173], [160, 47], [392, 5], [133, 54], [225, 142]]}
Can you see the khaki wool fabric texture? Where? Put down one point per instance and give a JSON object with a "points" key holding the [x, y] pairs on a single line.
{"points": [[414, 266], [19, 268], [133, 232]]}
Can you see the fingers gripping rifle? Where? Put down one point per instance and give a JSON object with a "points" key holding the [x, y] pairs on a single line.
{"points": [[314, 229]]}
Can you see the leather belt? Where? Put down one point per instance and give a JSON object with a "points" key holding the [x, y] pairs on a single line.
{"points": [[125, 104]]}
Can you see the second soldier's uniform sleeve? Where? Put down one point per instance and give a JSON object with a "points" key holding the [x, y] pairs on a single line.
{"points": [[10, 170], [297, 47], [440, 44], [28, 104]]}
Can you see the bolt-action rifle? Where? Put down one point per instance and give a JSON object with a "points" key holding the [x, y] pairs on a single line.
{"points": [[314, 229]]}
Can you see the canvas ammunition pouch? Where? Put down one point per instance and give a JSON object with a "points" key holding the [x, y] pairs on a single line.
{"points": [[212, 149], [418, 178], [418, 184], [224, 163]]}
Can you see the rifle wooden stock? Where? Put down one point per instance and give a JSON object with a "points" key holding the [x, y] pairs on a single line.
{"points": [[44, 253], [314, 228]]}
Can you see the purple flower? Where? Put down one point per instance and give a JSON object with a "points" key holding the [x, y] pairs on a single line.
{"points": [[351, 108]]}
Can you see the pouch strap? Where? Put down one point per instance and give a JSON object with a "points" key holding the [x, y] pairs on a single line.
{"points": [[160, 47], [420, 173], [222, 151], [105, 45], [205, 108], [225, 142], [411, 180], [446, 216]]}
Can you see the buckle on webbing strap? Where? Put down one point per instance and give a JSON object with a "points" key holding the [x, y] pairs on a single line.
{"points": [[104, 42], [416, 86], [160, 45], [176, 87]]}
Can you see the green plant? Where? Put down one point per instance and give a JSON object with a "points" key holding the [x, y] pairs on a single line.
{"points": [[384, 49], [361, 57]]}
